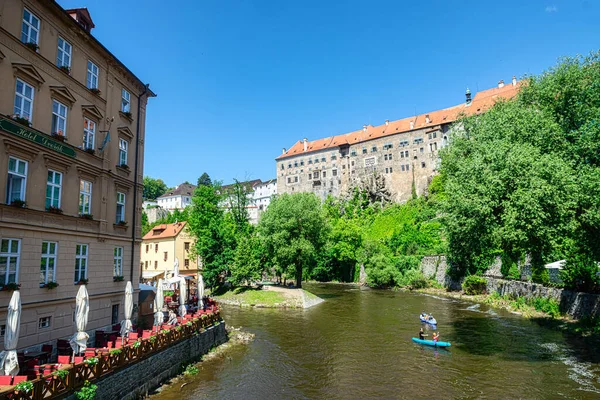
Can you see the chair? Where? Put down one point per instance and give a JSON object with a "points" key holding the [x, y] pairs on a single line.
{"points": [[32, 363], [19, 379], [133, 336], [89, 353], [47, 369], [78, 360], [146, 334], [47, 348], [118, 344], [63, 347], [5, 380], [116, 327], [64, 359], [111, 344]]}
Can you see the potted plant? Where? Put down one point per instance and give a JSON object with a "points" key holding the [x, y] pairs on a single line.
{"points": [[87, 392], [25, 387], [91, 361], [122, 223], [86, 216], [96, 91], [22, 121], [9, 287], [127, 114], [65, 69], [50, 285], [54, 210], [18, 203], [58, 136], [61, 373], [115, 351], [89, 150], [82, 281], [33, 46], [118, 278]]}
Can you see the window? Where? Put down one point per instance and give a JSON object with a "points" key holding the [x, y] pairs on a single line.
{"points": [[186, 245], [146, 265], [309, 177], [323, 159], [406, 153], [186, 263], [89, 134], [81, 262], [295, 164], [30, 29], [53, 189], [401, 154], [388, 146], [48, 263], [59, 118], [391, 170], [310, 161], [147, 246], [333, 156], [364, 150], [295, 179], [390, 157], [23, 100], [434, 135], [123, 151], [125, 101], [2, 330], [155, 264], [334, 172], [120, 207], [385, 157], [92, 76], [421, 150], [44, 322], [423, 164], [156, 248], [118, 261], [10, 250], [418, 140], [85, 197], [17, 180], [403, 143], [165, 256], [353, 153], [324, 174], [316, 160], [115, 314], [407, 167], [290, 165], [435, 146], [302, 163], [373, 149], [282, 167], [63, 57], [402, 167]]}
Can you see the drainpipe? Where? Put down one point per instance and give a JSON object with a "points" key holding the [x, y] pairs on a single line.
{"points": [[135, 179]]}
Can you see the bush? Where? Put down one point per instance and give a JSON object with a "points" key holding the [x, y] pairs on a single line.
{"points": [[546, 305], [474, 284]]}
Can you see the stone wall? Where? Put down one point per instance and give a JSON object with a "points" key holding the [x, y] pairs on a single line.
{"points": [[138, 379], [434, 267]]}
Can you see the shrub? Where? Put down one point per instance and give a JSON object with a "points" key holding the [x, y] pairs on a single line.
{"points": [[474, 284], [191, 370], [546, 305], [87, 392]]}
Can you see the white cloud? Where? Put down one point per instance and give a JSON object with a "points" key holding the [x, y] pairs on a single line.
{"points": [[551, 9]]}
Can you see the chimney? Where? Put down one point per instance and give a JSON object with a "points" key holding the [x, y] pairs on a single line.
{"points": [[387, 122], [412, 124], [305, 144], [468, 96], [364, 128], [501, 84], [284, 150], [514, 81], [427, 120]]}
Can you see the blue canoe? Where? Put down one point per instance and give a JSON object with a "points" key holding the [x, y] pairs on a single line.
{"points": [[431, 343], [431, 321]]}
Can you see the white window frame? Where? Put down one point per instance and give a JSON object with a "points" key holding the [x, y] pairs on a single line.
{"points": [[123, 146], [81, 262], [64, 53], [23, 106], [93, 73], [17, 174], [125, 101], [45, 322], [7, 255], [85, 197], [28, 26], [47, 257], [51, 184], [89, 133], [120, 207], [118, 261], [59, 117]]}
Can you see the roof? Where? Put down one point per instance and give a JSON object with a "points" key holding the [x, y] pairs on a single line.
{"points": [[481, 102], [249, 185], [185, 189], [165, 231]]}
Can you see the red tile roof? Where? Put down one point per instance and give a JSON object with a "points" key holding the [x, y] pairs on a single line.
{"points": [[164, 231], [482, 101]]}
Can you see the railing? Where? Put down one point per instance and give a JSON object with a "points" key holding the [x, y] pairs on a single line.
{"points": [[54, 386]]}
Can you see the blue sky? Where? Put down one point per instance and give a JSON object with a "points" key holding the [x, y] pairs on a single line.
{"points": [[239, 80]]}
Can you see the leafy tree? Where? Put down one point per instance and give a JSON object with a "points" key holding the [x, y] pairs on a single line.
{"points": [[294, 232], [153, 188], [204, 180], [237, 198], [247, 263]]}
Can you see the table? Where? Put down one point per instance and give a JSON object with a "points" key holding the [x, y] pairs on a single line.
{"points": [[40, 355], [6, 388]]}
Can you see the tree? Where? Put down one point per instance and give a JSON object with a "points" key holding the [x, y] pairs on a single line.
{"points": [[204, 180], [247, 262], [153, 188], [294, 230], [237, 198]]}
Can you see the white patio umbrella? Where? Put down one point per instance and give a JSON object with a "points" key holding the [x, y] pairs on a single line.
{"points": [[82, 308], [176, 268], [182, 297], [128, 311], [9, 364], [200, 290], [159, 300]]}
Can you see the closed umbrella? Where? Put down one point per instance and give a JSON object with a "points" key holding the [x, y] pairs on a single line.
{"points": [[82, 308], [200, 290], [182, 297], [159, 317], [126, 323], [9, 364]]}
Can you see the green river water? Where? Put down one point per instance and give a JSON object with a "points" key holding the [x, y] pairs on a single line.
{"points": [[357, 344]]}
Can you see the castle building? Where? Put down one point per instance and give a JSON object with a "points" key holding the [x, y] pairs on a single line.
{"points": [[403, 151]]}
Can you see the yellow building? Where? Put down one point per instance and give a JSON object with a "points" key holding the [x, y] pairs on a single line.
{"points": [[163, 245], [72, 121]]}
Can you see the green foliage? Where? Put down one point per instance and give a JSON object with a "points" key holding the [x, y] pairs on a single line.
{"points": [[191, 370], [61, 373], [546, 305], [87, 392], [204, 180], [153, 188], [247, 263], [24, 387], [91, 361], [237, 200], [581, 272], [294, 233], [169, 218], [474, 284]]}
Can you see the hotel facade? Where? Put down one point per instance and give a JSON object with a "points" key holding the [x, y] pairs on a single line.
{"points": [[403, 152], [72, 121]]}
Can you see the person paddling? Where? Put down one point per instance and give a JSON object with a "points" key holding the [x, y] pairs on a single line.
{"points": [[436, 337], [422, 335]]}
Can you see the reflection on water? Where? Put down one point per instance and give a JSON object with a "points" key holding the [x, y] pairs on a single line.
{"points": [[357, 344]]}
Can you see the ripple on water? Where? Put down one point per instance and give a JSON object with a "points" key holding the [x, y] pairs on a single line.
{"points": [[584, 373]]}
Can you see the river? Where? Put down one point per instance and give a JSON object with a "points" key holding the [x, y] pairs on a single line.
{"points": [[357, 344]]}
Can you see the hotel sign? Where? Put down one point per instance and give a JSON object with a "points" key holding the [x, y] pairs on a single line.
{"points": [[9, 126]]}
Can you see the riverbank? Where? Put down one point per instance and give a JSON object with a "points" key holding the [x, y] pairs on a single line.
{"points": [[269, 296], [544, 311]]}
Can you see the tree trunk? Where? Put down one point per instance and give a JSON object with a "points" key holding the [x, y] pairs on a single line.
{"points": [[298, 276]]}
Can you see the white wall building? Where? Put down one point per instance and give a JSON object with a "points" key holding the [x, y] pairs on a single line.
{"points": [[178, 198], [259, 194]]}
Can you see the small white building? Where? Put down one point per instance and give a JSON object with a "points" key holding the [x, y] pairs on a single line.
{"points": [[178, 198], [259, 197]]}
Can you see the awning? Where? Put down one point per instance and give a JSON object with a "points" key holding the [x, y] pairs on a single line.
{"points": [[151, 274]]}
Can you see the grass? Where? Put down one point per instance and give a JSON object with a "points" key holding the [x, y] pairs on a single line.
{"points": [[527, 306], [251, 296]]}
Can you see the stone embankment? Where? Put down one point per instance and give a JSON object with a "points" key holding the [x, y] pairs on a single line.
{"points": [[270, 296]]}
